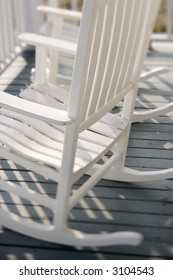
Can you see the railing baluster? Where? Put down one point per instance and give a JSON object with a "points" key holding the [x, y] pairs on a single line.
{"points": [[15, 17]]}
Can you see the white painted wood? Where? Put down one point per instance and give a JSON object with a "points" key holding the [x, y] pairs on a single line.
{"points": [[32, 109], [84, 137], [47, 42], [15, 17], [57, 16], [43, 44], [71, 14], [139, 116]]}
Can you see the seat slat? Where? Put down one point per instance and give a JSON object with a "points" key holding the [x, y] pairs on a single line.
{"points": [[94, 137], [35, 95], [106, 130], [21, 138], [29, 131], [35, 127], [21, 149], [27, 142], [41, 126], [23, 145], [9, 125]]}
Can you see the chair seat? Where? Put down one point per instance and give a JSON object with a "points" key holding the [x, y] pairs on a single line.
{"points": [[24, 136]]}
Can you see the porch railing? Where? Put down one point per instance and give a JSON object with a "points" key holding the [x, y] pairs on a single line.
{"points": [[15, 17], [20, 16]]}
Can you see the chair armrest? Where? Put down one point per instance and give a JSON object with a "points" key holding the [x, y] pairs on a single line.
{"points": [[70, 14], [48, 42], [34, 110]]}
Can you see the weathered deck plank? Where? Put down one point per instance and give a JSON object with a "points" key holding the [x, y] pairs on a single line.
{"points": [[145, 207]]}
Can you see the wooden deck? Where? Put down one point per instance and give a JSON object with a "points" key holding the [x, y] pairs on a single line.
{"points": [[144, 207]]}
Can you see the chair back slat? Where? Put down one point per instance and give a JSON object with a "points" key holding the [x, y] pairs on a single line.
{"points": [[121, 50], [113, 53], [137, 29], [105, 62], [128, 31], [93, 62], [104, 58], [131, 44]]}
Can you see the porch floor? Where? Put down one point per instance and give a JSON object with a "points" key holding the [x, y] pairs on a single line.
{"points": [[143, 207]]}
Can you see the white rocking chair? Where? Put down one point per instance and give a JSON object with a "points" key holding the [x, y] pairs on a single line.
{"points": [[64, 144], [70, 31]]}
